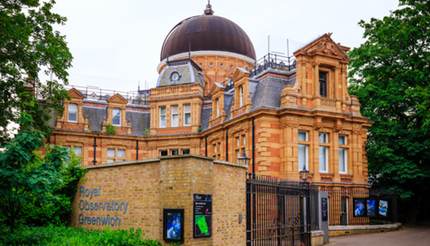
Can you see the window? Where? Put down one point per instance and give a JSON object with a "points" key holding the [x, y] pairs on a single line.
{"points": [[174, 152], [323, 83], [303, 150], [174, 116], [343, 154], [187, 114], [323, 151], [185, 151], [75, 150], [240, 148], [116, 117], [163, 152], [73, 113], [115, 154], [217, 107], [240, 96], [163, 117], [216, 146]]}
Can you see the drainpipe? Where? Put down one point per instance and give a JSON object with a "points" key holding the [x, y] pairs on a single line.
{"points": [[226, 144], [137, 150], [94, 150], [253, 147]]}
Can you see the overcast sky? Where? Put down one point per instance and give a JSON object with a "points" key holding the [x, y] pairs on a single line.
{"points": [[116, 44]]}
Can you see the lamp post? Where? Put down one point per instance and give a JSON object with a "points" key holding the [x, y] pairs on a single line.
{"points": [[304, 174]]}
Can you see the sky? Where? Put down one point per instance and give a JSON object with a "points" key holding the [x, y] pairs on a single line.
{"points": [[116, 44]]}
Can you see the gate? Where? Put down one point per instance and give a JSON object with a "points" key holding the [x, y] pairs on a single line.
{"points": [[277, 212]]}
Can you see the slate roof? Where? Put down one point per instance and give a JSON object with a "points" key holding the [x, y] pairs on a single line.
{"points": [[95, 117], [228, 101], [188, 72], [268, 92], [205, 117], [139, 121]]}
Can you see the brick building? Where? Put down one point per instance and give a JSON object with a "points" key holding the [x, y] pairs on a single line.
{"points": [[214, 99]]}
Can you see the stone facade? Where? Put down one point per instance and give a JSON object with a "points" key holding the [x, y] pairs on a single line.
{"points": [[138, 192]]}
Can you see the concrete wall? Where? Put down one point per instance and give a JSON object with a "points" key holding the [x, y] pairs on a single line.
{"points": [[133, 194]]}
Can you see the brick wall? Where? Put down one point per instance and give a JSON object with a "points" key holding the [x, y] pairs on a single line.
{"points": [[138, 191]]}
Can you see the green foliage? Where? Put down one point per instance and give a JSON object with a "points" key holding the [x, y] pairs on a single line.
{"points": [[390, 73], [110, 129], [30, 46], [36, 190], [75, 237]]}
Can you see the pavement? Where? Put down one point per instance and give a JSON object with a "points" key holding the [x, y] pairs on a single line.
{"points": [[414, 236]]}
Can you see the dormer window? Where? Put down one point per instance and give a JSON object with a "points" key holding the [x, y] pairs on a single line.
{"points": [[323, 83], [187, 114], [174, 119], [72, 113], [116, 117], [240, 96]]}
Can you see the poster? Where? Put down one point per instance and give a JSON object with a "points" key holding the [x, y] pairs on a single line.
{"points": [[324, 209], [371, 207], [202, 226], [359, 207], [173, 220], [383, 208]]}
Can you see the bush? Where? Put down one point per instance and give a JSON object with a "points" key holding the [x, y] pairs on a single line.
{"points": [[52, 235]]}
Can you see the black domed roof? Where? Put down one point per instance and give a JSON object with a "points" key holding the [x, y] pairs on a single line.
{"points": [[207, 32]]}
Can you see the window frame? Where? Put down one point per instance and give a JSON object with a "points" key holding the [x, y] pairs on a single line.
{"points": [[113, 115], [76, 112], [344, 148], [115, 157], [161, 116], [241, 101], [323, 83], [187, 110], [174, 116], [305, 144], [324, 144]]}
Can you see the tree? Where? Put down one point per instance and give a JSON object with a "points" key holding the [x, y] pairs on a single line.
{"points": [[390, 74], [36, 189], [29, 46]]}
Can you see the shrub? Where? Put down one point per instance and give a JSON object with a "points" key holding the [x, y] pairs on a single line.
{"points": [[110, 129], [69, 236]]}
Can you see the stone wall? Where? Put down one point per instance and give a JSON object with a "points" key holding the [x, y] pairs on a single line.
{"points": [[133, 194]]}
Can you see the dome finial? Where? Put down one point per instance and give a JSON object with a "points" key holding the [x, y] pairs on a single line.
{"points": [[208, 10]]}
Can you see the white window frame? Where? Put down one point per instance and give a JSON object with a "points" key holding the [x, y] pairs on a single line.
{"points": [[324, 140], [345, 160], [306, 157], [174, 116], [71, 105], [187, 111], [113, 115], [162, 117], [343, 148]]}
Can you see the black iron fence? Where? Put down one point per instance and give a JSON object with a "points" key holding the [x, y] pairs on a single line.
{"points": [[279, 212], [359, 205]]}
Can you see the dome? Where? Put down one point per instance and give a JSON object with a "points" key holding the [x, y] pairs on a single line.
{"points": [[207, 32]]}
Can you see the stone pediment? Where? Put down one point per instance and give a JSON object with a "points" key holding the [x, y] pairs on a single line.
{"points": [[239, 73], [324, 46], [117, 98], [75, 93]]}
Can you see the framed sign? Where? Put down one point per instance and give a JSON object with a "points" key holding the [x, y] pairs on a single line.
{"points": [[371, 204], [202, 215], [383, 208], [324, 209], [173, 225], [359, 207]]}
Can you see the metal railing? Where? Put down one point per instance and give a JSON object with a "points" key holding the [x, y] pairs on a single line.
{"points": [[140, 97], [274, 61]]}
